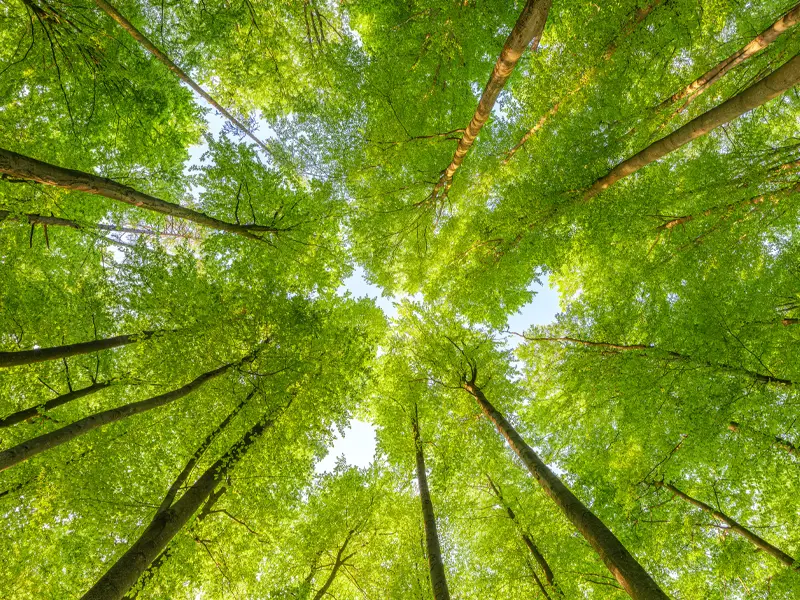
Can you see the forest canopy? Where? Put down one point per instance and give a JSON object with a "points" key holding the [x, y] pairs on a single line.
{"points": [[186, 191]]}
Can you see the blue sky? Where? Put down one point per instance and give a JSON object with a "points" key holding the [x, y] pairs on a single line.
{"points": [[357, 445]]}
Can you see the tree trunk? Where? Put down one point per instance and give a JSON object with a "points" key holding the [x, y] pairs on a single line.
{"points": [[623, 566], [529, 543], [527, 32], [438, 579], [754, 375], [27, 357], [757, 94], [124, 574], [36, 219], [25, 450], [21, 167], [761, 41], [724, 210], [337, 564], [754, 539], [28, 413], [638, 16], [164, 59], [778, 442]]}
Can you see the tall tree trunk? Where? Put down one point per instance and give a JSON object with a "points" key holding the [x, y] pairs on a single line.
{"points": [[166, 524], [172, 492], [24, 168], [27, 357], [526, 538], [337, 564], [37, 219], [757, 94], [527, 32], [754, 539], [761, 41], [754, 375], [25, 450], [623, 566], [27, 413], [181, 74], [778, 442], [438, 579], [639, 15]]}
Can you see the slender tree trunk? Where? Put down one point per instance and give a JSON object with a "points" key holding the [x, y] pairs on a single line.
{"points": [[438, 578], [757, 94], [337, 564], [754, 539], [778, 442], [172, 492], [638, 16], [36, 219], [37, 445], [526, 538], [527, 32], [166, 524], [761, 41], [28, 413], [726, 209], [24, 168], [754, 375], [180, 73], [27, 357], [623, 566]]}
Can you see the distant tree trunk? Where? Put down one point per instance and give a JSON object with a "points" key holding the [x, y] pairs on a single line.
{"points": [[623, 566], [527, 32], [23, 168], [754, 375], [27, 357], [761, 41], [337, 564], [757, 94], [526, 538], [754, 539], [778, 442], [438, 579], [124, 574], [28, 413], [638, 16], [37, 219], [25, 450], [164, 59], [724, 210]]}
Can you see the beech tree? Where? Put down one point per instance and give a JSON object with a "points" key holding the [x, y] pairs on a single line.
{"points": [[195, 199]]}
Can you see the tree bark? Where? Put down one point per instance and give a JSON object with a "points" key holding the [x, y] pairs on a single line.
{"points": [[757, 94], [761, 41], [526, 538], [337, 564], [180, 73], [434, 551], [527, 32], [27, 357], [778, 442], [622, 565], [37, 445], [754, 539], [166, 524], [638, 16], [28, 413], [20, 167], [754, 375]]}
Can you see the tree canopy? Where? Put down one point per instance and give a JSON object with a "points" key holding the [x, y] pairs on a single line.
{"points": [[179, 343]]}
